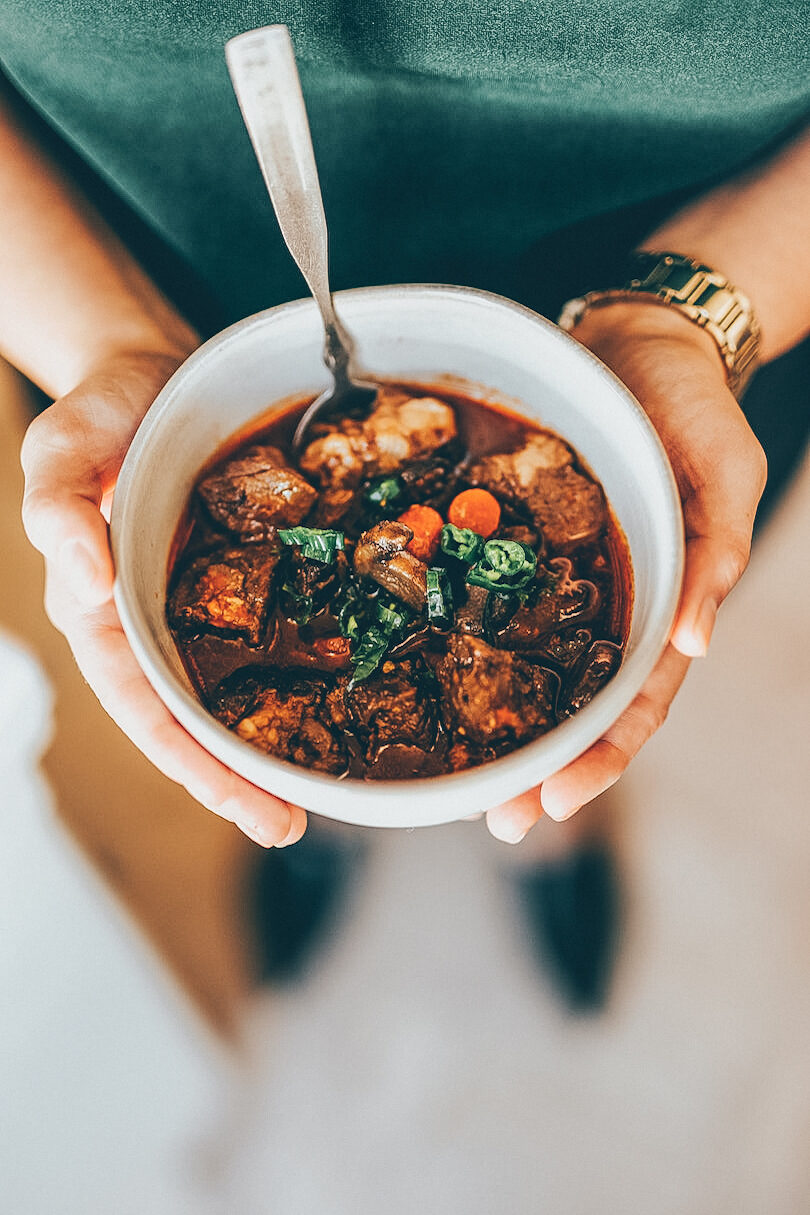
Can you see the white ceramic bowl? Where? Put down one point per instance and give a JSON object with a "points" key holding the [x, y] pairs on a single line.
{"points": [[497, 350]]}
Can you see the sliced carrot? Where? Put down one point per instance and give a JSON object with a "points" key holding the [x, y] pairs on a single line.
{"points": [[426, 525], [476, 509]]}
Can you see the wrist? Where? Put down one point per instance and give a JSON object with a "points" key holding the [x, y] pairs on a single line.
{"points": [[145, 348], [612, 327]]}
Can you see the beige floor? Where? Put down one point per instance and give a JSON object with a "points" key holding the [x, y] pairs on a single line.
{"points": [[177, 867]]}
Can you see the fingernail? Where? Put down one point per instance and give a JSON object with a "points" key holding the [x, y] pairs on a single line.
{"points": [[559, 811], [510, 833], [78, 568]]}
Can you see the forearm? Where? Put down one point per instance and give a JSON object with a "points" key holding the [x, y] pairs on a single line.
{"points": [[755, 229], [72, 297]]}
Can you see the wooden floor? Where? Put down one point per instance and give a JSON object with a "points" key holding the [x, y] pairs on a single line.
{"points": [[179, 869]]}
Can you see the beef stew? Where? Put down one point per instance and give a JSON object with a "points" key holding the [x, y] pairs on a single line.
{"points": [[429, 587]]}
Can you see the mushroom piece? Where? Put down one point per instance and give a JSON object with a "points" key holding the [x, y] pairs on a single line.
{"points": [[381, 554], [471, 615]]}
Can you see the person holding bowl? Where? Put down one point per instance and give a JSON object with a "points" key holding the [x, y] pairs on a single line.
{"points": [[529, 155]]}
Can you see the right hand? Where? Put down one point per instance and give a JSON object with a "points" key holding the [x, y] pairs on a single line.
{"points": [[673, 369], [71, 456]]}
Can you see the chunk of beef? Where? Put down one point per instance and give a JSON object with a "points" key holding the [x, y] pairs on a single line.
{"points": [[568, 507], [398, 761], [381, 554], [390, 707], [328, 652], [490, 695], [235, 696], [229, 590], [563, 601], [598, 666], [211, 657], [521, 533], [399, 430], [433, 480], [291, 721], [256, 493], [509, 475]]}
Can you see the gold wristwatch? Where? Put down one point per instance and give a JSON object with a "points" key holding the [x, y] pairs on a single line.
{"points": [[697, 291]]}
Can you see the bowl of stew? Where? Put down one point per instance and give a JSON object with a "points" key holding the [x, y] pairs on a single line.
{"points": [[433, 606]]}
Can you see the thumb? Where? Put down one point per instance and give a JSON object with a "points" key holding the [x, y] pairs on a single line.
{"points": [[61, 510]]}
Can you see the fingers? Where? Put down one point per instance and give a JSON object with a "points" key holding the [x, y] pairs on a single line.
{"points": [[71, 456], [109, 666], [719, 514], [511, 821], [63, 492], [568, 790], [721, 471], [70, 532]]}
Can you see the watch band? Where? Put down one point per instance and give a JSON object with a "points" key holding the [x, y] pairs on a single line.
{"points": [[699, 293]]}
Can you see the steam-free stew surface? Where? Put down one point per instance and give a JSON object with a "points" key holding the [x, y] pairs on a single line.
{"points": [[426, 589]]}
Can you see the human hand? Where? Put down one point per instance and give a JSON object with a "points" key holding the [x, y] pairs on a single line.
{"points": [[71, 456], [675, 371]]}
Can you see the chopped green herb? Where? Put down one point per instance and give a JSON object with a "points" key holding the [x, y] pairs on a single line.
{"points": [[391, 618], [505, 565], [462, 542], [316, 543], [349, 621], [439, 596], [369, 653], [384, 624], [383, 490], [302, 603]]}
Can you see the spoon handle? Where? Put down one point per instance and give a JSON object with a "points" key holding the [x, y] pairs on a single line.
{"points": [[265, 78]]}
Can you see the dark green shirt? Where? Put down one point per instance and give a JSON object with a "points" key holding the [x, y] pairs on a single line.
{"points": [[450, 135]]}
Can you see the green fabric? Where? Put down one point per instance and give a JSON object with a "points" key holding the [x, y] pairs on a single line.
{"points": [[450, 135]]}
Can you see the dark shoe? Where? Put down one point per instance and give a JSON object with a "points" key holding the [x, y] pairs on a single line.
{"points": [[573, 908], [297, 894]]}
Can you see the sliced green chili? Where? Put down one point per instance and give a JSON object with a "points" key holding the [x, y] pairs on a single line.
{"points": [[505, 565], [462, 542]]}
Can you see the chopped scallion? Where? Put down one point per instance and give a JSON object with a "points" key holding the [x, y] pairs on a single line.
{"points": [[439, 596], [316, 543]]}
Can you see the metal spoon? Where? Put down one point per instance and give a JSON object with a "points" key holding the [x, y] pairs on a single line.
{"points": [[265, 78]]}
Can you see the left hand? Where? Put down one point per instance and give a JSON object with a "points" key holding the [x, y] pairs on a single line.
{"points": [[675, 371]]}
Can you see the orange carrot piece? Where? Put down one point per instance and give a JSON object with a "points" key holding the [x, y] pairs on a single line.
{"points": [[476, 509], [426, 525]]}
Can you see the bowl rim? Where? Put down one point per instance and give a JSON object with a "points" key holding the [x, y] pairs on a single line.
{"points": [[498, 777]]}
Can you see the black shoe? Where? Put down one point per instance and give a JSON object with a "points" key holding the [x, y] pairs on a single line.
{"points": [[297, 893], [573, 907]]}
